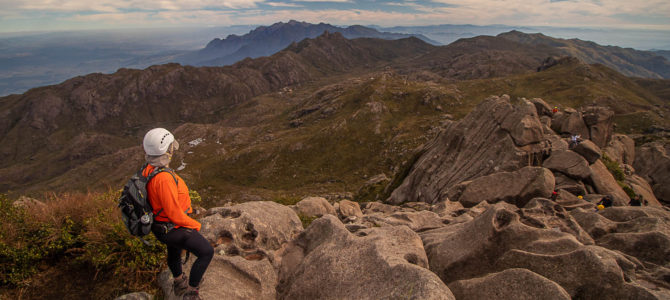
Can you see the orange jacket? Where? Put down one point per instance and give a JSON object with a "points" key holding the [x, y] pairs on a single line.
{"points": [[170, 201]]}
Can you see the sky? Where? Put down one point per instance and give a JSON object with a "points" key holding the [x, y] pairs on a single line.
{"points": [[48, 15]]}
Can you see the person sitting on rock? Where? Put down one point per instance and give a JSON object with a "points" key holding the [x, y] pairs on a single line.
{"points": [[604, 202], [171, 203], [575, 140], [636, 201]]}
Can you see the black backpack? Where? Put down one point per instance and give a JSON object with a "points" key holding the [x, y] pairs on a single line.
{"points": [[134, 203]]}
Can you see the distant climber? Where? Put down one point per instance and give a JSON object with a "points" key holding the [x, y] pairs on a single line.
{"points": [[555, 110], [169, 198], [554, 195], [636, 201], [575, 140], [604, 202]]}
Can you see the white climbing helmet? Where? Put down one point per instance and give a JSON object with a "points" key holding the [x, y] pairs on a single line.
{"points": [[157, 141]]}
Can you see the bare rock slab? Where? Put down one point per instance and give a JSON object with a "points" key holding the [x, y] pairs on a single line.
{"points": [[315, 207], [512, 187], [652, 162], [496, 137], [569, 163], [605, 184], [503, 238], [256, 228], [230, 277], [589, 150], [328, 262]]}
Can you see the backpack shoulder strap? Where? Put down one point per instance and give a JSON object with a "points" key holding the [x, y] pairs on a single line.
{"points": [[162, 169]]}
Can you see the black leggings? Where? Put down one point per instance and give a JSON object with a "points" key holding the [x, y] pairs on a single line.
{"points": [[191, 240]]}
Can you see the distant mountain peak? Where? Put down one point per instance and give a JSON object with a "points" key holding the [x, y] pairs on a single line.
{"points": [[267, 40]]}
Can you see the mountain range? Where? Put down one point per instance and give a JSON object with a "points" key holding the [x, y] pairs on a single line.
{"points": [[29, 60], [267, 40], [322, 116]]}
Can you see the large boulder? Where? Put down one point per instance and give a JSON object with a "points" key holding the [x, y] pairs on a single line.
{"points": [[643, 232], [246, 238], [604, 183], [642, 188], [496, 137], [513, 187], [569, 121], [349, 210], [589, 272], [251, 229], [519, 284], [621, 149], [315, 207], [569, 163], [652, 162], [589, 150], [470, 249], [328, 262], [542, 108], [599, 120], [563, 182]]}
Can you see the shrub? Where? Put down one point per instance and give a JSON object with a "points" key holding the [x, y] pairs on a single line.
{"points": [[26, 240], [84, 229], [306, 220], [626, 188], [613, 167], [287, 200], [196, 200]]}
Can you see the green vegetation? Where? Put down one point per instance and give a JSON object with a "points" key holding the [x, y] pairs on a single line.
{"points": [[196, 200], [626, 188], [75, 229], [615, 169], [287, 200], [306, 220], [637, 122], [371, 193]]}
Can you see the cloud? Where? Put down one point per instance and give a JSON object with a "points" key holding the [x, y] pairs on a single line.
{"points": [[282, 4], [556, 13], [116, 13], [337, 1], [125, 5]]}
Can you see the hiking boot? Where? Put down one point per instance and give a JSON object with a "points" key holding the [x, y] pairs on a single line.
{"points": [[192, 294], [180, 285]]}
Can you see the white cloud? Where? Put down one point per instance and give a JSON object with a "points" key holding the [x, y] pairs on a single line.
{"points": [[544, 12], [339, 1], [115, 13], [282, 4], [124, 5]]}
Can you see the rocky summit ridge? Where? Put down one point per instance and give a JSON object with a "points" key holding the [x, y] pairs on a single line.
{"points": [[493, 232]]}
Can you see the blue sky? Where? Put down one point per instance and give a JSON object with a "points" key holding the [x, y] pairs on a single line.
{"points": [[40, 15]]}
